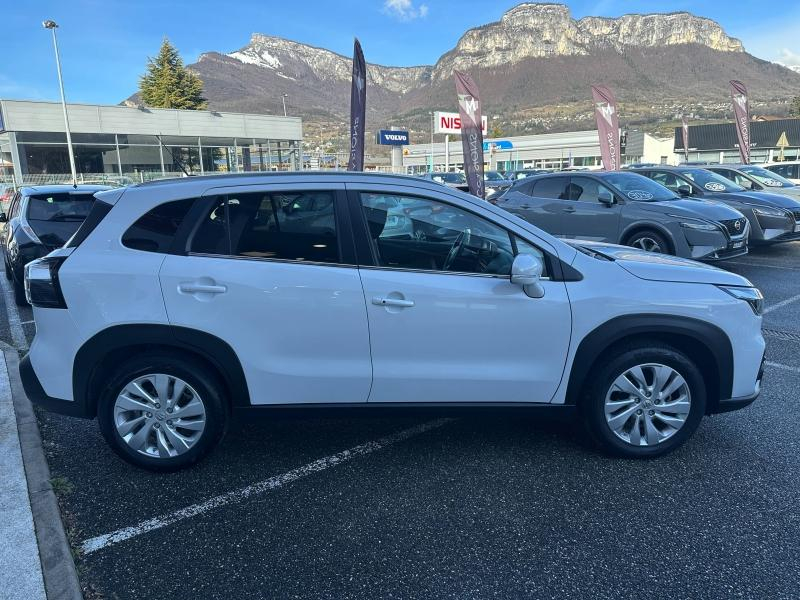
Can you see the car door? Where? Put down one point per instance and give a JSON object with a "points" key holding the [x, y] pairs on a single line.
{"points": [[542, 202], [446, 323], [270, 270], [592, 219]]}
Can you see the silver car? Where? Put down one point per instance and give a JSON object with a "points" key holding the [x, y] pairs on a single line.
{"points": [[757, 179], [629, 209]]}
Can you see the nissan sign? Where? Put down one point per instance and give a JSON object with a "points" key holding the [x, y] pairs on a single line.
{"points": [[446, 122], [390, 137]]}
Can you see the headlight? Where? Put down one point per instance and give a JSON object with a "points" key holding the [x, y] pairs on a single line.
{"points": [[768, 212], [751, 295], [698, 225]]}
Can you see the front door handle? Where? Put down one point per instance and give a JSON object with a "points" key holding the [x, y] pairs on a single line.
{"points": [[569, 209], [525, 206], [201, 288], [392, 302]]}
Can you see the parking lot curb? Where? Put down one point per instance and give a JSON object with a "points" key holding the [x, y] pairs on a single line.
{"points": [[58, 568]]}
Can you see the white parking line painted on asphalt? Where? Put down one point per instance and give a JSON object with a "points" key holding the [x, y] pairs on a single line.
{"points": [[786, 302], [14, 324], [27, 322], [759, 264], [775, 365], [273, 483]]}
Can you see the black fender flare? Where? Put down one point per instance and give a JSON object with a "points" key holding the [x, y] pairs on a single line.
{"points": [[702, 336], [639, 226], [192, 341]]}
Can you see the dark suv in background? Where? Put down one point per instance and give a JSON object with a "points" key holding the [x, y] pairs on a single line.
{"points": [[773, 217], [39, 220], [626, 208]]}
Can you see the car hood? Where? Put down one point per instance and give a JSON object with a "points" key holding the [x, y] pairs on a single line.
{"points": [[662, 267], [768, 199], [709, 209]]}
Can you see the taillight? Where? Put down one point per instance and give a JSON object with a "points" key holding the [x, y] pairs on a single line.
{"points": [[42, 287]]}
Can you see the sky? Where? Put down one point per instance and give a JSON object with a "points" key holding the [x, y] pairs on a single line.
{"points": [[104, 44]]}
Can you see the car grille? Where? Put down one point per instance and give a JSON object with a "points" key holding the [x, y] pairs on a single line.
{"points": [[797, 215], [732, 228]]}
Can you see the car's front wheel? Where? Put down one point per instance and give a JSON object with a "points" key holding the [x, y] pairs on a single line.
{"points": [[649, 241], [162, 412], [644, 401]]}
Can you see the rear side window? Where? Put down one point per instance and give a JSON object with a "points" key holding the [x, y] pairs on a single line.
{"points": [[552, 187], [299, 226], [59, 207], [96, 214], [156, 229], [585, 189]]}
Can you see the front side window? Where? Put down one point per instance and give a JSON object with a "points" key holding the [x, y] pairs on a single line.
{"points": [[585, 189], [711, 181], [59, 207], [768, 178], [298, 226], [422, 234], [155, 230]]}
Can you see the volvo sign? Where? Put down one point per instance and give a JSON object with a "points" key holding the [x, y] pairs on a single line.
{"points": [[391, 137]]}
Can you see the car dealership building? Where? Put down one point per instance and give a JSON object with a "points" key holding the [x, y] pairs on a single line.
{"points": [[545, 151], [718, 143], [134, 143]]}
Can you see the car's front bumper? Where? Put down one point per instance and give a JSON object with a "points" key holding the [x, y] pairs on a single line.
{"points": [[732, 404]]}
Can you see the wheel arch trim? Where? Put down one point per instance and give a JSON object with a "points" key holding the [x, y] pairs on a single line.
{"points": [[710, 337], [192, 341], [639, 226]]}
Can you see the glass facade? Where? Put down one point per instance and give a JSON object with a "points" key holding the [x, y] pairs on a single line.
{"points": [[140, 157]]}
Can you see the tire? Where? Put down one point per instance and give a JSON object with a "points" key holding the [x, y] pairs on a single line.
{"points": [[19, 293], [201, 384], [648, 240], [601, 389]]}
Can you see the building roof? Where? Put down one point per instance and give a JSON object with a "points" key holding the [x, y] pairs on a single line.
{"points": [[27, 115]]}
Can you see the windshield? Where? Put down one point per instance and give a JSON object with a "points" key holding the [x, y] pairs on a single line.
{"points": [[59, 207], [711, 181], [492, 176], [639, 188], [449, 177], [768, 178]]}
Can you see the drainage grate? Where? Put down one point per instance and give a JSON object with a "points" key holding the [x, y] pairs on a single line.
{"points": [[789, 336]]}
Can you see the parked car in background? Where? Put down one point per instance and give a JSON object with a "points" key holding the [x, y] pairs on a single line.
{"points": [[163, 338], [788, 169], [523, 173], [757, 179], [623, 207], [451, 179], [495, 183], [6, 193], [772, 217], [39, 220]]}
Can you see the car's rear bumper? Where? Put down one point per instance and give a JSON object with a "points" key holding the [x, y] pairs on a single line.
{"points": [[37, 395]]}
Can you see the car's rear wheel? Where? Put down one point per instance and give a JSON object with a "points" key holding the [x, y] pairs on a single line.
{"points": [[162, 412], [644, 401], [649, 241]]}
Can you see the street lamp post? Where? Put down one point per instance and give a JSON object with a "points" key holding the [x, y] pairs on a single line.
{"points": [[284, 97], [52, 26]]}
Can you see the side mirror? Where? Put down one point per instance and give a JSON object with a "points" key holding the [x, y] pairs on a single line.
{"points": [[3, 217], [526, 270], [606, 197], [685, 190]]}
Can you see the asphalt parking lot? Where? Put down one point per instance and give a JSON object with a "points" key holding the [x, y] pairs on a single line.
{"points": [[504, 507]]}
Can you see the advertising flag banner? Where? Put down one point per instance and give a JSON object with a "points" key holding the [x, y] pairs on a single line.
{"points": [[469, 108], [741, 112], [358, 109], [605, 111], [685, 132]]}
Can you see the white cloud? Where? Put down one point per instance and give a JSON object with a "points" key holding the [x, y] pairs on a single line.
{"points": [[789, 58], [405, 10]]}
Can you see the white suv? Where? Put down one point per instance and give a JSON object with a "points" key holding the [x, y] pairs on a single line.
{"points": [[180, 301]]}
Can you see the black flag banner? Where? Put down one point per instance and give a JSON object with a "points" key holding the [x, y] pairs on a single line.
{"points": [[469, 107], [358, 109]]}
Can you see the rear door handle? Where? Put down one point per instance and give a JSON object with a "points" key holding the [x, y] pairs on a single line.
{"points": [[392, 302], [200, 288], [569, 209], [525, 206]]}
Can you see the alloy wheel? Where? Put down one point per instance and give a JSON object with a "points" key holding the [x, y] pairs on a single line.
{"points": [[647, 404], [647, 244], [159, 415]]}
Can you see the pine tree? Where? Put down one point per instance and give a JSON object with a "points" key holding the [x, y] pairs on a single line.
{"points": [[795, 107], [168, 84]]}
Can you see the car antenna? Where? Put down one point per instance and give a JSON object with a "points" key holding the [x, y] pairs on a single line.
{"points": [[175, 160]]}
